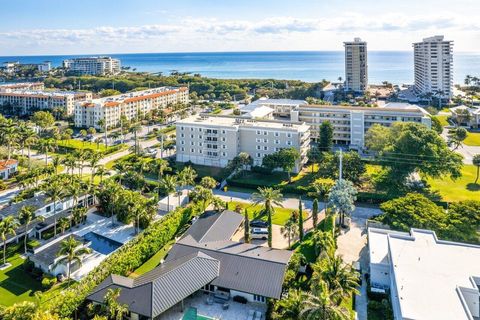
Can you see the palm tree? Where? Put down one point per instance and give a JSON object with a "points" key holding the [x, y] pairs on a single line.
{"points": [[70, 251], [138, 212], [55, 192], [27, 215], [7, 226], [169, 184], [321, 306], [56, 161], [476, 162], [269, 197], [70, 162], [143, 164], [121, 167], [187, 176], [290, 306], [47, 145], [324, 242], [63, 223], [134, 129], [101, 171], [338, 276], [9, 135], [115, 310], [93, 161], [290, 230], [160, 165], [104, 126], [29, 142]]}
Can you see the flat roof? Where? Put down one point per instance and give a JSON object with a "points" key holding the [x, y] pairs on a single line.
{"points": [[232, 121], [278, 101], [429, 272], [400, 108]]}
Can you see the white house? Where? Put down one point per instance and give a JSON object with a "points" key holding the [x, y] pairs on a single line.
{"points": [[427, 278], [8, 168]]}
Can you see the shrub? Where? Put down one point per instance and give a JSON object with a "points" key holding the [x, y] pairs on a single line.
{"points": [[123, 261], [48, 282]]}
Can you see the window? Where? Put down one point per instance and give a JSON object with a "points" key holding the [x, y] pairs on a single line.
{"points": [[182, 142], [192, 150], [183, 149], [289, 143], [277, 141], [223, 139], [265, 148], [182, 135], [265, 133], [277, 134], [224, 154], [259, 155], [289, 135], [258, 131], [224, 146], [192, 143], [265, 140], [258, 298], [223, 131]]}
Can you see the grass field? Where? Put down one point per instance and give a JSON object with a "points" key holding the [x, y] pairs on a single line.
{"points": [[460, 189], [443, 120], [15, 284], [153, 262], [77, 144], [473, 139], [280, 217]]}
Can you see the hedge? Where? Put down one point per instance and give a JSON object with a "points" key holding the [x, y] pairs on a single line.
{"points": [[123, 261]]}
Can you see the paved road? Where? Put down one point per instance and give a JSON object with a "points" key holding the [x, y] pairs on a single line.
{"points": [[352, 246], [466, 151]]}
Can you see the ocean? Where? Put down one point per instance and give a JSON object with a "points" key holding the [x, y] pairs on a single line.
{"points": [[311, 66]]}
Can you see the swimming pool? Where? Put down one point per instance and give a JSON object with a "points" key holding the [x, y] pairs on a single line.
{"points": [[101, 244]]}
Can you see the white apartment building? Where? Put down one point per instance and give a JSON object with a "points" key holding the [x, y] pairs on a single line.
{"points": [[9, 87], [433, 61], [350, 123], [89, 113], [29, 101], [356, 67], [281, 107], [93, 65], [216, 140], [428, 278]]}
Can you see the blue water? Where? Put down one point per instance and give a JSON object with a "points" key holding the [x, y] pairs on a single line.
{"points": [[101, 244], [392, 66]]}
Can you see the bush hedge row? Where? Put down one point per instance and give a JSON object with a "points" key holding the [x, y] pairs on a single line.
{"points": [[122, 262]]}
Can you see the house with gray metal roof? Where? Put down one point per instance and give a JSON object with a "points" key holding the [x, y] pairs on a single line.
{"points": [[204, 259]]}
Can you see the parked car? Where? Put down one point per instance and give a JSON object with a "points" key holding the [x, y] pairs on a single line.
{"points": [[258, 224], [259, 233]]}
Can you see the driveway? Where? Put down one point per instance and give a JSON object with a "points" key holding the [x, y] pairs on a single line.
{"points": [[466, 151], [352, 246]]}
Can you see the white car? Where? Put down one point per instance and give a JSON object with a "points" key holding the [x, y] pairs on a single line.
{"points": [[259, 233]]}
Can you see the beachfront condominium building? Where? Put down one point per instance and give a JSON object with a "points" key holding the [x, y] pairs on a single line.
{"points": [[216, 140], [131, 105], [350, 123], [433, 60], [27, 101], [356, 68], [427, 278], [13, 86], [98, 66]]}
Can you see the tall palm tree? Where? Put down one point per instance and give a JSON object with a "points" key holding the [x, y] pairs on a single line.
{"points": [[29, 142], [101, 171], [169, 184], [320, 305], [187, 176], [25, 133], [63, 224], [70, 161], [161, 166], [290, 230], [55, 192], [70, 251], [9, 135], [143, 164], [290, 306], [93, 161], [104, 126], [27, 215], [269, 197], [47, 145], [138, 212], [7, 226], [56, 162], [134, 129], [121, 167]]}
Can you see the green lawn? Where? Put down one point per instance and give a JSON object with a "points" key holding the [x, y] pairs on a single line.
{"points": [[202, 171], [153, 262], [443, 120], [15, 284], [77, 144], [280, 217], [460, 189], [473, 139]]}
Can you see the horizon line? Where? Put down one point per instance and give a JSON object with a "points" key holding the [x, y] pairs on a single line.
{"points": [[205, 52]]}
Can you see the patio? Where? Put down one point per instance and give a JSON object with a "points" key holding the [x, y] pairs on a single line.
{"points": [[236, 311]]}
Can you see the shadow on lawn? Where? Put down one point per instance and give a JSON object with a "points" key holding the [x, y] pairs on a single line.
{"points": [[473, 187], [19, 282]]}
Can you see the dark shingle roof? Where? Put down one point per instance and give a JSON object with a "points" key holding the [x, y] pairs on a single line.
{"points": [[243, 267], [215, 227], [48, 255], [163, 287], [37, 201]]}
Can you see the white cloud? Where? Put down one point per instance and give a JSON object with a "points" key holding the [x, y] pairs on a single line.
{"points": [[217, 35]]}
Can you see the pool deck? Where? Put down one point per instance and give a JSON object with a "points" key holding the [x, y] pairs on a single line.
{"points": [[236, 311], [121, 233]]}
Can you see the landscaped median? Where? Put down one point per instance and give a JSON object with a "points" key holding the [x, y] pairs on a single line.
{"points": [[123, 261]]}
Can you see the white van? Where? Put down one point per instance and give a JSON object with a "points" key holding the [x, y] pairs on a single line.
{"points": [[259, 233]]}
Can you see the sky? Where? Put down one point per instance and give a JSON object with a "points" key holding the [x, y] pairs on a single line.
{"points": [[41, 27]]}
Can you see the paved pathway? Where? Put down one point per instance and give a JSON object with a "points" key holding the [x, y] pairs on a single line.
{"points": [[466, 151]]}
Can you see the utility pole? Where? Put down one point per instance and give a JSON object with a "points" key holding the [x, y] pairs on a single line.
{"points": [[340, 169]]}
